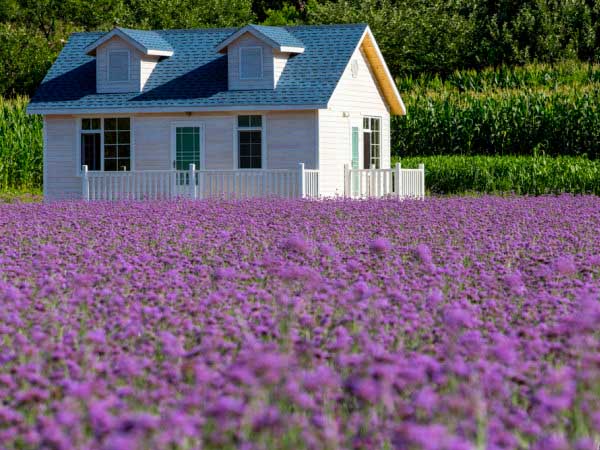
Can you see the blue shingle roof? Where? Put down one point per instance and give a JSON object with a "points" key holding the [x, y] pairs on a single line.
{"points": [[196, 76], [279, 35], [149, 39]]}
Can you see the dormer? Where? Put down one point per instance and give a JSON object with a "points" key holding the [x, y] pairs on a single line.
{"points": [[257, 55], [126, 58]]}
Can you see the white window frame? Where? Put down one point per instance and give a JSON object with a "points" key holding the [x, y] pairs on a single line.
{"points": [[128, 65], [192, 124], [262, 63], [80, 131], [263, 138], [380, 119]]}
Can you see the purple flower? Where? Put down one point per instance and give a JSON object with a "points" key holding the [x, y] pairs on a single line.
{"points": [[380, 245]]}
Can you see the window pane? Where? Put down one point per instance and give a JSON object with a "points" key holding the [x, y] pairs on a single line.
{"points": [[124, 137], [245, 150], [245, 163], [118, 66], [124, 164], [255, 150], [96, 124], [251, 63], [86, 124], [110, 164], [123, 151], [90, 150], [110, 124], [243, 121], [245, 137], [123, 124], [110, 151], [256, 162], [256, 121], [366, 123], [256, 137], [110, 137]]}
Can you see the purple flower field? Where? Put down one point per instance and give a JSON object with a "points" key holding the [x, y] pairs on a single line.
{"points": [[453, 323]]}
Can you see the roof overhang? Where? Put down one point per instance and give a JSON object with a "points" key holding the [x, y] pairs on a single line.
{"points": [[382, 74], [222, 47], [91, 49], [31, 109]]}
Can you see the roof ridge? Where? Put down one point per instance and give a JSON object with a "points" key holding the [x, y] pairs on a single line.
{"points": [[222, 29]]}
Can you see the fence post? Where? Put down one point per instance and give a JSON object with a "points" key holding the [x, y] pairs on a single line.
{"points": [[192, 181], [85, 191], [422, 169], [398, 181], [301, 181]]}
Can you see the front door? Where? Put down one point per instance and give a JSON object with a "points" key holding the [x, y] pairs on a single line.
{"points": [[187, 149]]}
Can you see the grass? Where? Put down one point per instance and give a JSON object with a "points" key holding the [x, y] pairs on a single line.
{"points": [[532, 175]]}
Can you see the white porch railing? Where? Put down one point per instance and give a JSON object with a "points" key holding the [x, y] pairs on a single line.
{"points": [[395, 182], [197, 184]]}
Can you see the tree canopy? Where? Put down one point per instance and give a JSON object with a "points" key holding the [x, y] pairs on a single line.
{"points": [[416, 36]]}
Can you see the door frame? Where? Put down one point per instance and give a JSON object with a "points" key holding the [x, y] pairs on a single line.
{"points": [[193, 124], [356, 122]]}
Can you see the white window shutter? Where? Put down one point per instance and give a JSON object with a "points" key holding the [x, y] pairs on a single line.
{"points": [[251, 63]]}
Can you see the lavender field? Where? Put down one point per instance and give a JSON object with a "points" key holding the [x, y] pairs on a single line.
{"points": [[453, 323]]}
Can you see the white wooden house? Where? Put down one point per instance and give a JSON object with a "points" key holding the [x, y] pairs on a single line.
{"points": [[290, 111]]}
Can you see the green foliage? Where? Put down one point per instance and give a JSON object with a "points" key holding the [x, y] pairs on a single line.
{"points": [[553, 110], [25, 59], [21, 147], [533, 175]]}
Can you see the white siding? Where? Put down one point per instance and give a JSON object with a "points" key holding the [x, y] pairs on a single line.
{"points": [[147, 65], [153, 140], [233, 55], [291, 139], [61, 181], [358, 97], [102, 83], [279, 61]]}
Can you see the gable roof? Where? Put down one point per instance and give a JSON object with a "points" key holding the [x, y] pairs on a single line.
{"points": [[147, 42], [277, 37], [195, 77]]}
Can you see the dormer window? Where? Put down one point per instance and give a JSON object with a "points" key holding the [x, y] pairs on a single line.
{"points": [[251, 63], [118, 65]]}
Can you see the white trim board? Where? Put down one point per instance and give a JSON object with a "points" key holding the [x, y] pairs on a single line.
{"points": [[165, 109]]}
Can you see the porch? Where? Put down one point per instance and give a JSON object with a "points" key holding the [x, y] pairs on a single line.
{"points": [[248, 183], [394, 182], [199, 184]]}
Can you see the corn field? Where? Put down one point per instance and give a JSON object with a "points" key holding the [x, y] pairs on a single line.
{"points": [[532, 175], [21, 147], [520, 111]]}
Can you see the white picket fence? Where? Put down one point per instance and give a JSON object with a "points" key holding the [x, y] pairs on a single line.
{"points": [[198, 184], [395, 182]]}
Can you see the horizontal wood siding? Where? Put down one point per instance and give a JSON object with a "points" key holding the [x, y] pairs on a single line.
{"points": [[291, 139], [233, 55], [147, 65], [279, 61], [102, 83], [153, 140], [357, 97], [61, 181]]}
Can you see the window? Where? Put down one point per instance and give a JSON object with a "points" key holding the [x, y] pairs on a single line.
{"points": [[372, 142], [118, 65], [117, 149], [251, 63], [250, 142], [91, 142], [106, 144]]}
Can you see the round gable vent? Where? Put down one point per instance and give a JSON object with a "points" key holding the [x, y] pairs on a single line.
{"points": [[354, 68]]}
